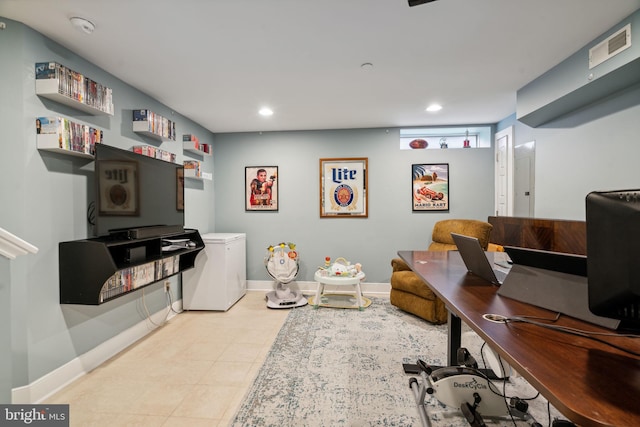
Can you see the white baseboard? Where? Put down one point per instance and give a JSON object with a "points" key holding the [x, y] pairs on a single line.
{"points": [[311, 287], [47, 385]]}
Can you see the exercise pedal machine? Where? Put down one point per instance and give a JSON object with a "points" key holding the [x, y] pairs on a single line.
{"points": [[467, 388]]}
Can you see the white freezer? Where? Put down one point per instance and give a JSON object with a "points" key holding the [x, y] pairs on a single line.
{"points": [[219, 278]]}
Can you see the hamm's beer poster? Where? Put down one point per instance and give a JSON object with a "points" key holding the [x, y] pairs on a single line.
{"points": [[343, 187]]}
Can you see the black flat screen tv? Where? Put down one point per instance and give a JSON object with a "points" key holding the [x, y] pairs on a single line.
{"points": [[613, 255], [133, 191]]}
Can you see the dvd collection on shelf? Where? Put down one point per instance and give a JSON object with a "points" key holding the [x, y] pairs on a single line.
{"points": [[76, 86], [156, 124], [193, 165], [131, 278], [71, 136], [156, 153], [194, 143]]}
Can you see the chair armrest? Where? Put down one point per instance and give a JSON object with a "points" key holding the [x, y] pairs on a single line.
{"points": [[399, 265], [493, 247]]}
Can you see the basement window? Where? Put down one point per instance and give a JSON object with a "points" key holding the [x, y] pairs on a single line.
{"points": [[445, 138]]}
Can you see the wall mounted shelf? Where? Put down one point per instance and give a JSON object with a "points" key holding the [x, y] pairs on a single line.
{"points": [[48, 88], [61, 135], [191, 144], [65, 86], [189, 147], [148, 123], [94, 271], [49, 142]]}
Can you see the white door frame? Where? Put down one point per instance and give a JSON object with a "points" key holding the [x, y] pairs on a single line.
{"points": [[503, 171]]}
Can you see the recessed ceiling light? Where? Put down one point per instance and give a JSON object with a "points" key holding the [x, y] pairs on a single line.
{"points": [[434, 107], [266, 111], [82, 24]]}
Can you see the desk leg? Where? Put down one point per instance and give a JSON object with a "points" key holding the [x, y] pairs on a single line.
{"points": [[454, 338]]}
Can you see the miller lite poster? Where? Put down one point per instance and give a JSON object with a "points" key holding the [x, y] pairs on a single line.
{"points": [[343, 187], [117, 187]]}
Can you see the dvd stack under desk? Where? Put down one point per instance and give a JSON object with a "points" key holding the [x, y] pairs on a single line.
{"points": [[94, 271]]}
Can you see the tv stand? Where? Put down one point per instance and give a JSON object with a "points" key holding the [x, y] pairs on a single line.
{"points": [[94, 271]]}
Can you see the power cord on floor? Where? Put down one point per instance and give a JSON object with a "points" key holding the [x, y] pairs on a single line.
{"points": [[148, 315]]}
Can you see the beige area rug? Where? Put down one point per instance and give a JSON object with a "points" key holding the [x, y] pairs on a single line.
{"points": [[330, 367]]}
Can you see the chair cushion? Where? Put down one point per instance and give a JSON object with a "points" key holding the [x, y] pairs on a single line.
{"points": [[469, 227], [432, 311], [408, 281]]}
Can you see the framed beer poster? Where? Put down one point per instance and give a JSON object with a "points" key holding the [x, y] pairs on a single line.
{"points": [[430, 187], [118, 187], [343, 188]]}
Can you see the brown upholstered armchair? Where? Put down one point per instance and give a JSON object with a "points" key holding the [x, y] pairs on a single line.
{"points": [[410, 293]]}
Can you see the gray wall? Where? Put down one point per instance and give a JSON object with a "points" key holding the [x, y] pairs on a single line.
{"points": [[594, 146], [44, 201], [373, 241], [593, 149]]}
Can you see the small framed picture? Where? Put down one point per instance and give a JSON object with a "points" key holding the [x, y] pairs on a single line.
{"points": [[430, 187], [261, 188], [343, 188], [180, 188], [118, 187]]}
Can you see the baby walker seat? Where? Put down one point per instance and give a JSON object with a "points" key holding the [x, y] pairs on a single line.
{"points": [[282, 263]]}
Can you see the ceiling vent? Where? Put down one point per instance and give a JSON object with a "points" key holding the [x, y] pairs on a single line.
{"points": [[610, 47]]}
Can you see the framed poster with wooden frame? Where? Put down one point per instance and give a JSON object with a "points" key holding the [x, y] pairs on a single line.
{"points": [[343, 188], [261, 188], [430, 187], [180, 188], [118, 187]]}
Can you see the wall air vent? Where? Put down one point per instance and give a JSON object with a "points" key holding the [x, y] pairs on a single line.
{"points": [[610, 47]]}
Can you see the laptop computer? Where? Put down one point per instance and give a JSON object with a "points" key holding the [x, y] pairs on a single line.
{"points": [[476, 260]]}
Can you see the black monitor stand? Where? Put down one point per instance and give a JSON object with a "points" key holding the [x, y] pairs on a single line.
{"points": [[556, 291]]}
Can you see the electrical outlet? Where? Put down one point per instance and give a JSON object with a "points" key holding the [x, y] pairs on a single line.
{"points": [[167, 286]]}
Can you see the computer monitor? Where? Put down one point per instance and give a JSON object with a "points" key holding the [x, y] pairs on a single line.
{"points": [[613, 255]]}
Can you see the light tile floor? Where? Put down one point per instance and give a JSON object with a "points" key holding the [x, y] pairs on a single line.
{"points": [[194, 370]]}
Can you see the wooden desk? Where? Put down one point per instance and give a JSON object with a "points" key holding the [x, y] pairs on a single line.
{"points": [[591, 383]]}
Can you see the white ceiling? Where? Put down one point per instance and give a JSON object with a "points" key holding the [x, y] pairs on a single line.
{"points": [[218, 61]]}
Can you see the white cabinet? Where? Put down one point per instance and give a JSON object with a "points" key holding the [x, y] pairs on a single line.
{"points": [[219, 278]]}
